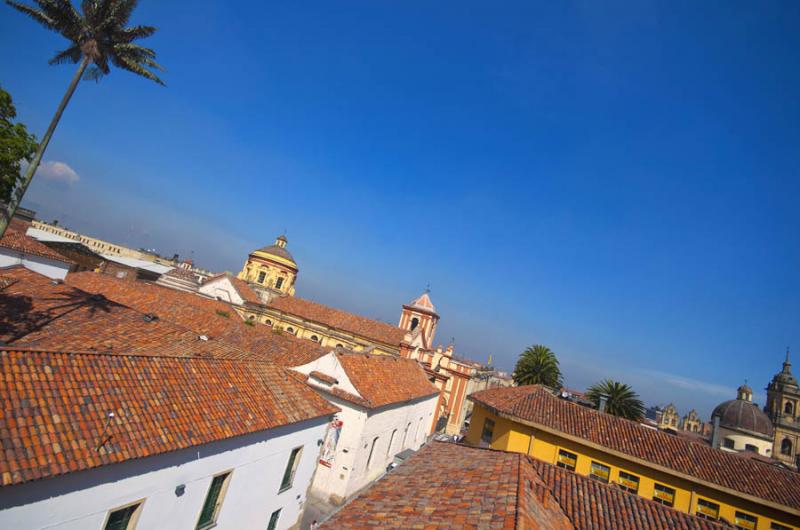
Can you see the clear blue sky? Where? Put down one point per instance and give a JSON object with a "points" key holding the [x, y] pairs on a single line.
{"points": [[617, 180]]}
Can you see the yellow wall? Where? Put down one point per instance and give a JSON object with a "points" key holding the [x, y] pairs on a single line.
{"points": [[509, 435]]}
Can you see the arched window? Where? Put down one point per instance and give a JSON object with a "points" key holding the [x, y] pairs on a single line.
{"points": [[268, 322], [290, 330], [339, 345], [414, 323], [750, 447], [728, 443], [279, 283], [314, 338], [787, 408], [786, 447]]}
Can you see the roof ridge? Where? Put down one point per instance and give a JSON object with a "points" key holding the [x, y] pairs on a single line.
{"points": [[140, 353]]}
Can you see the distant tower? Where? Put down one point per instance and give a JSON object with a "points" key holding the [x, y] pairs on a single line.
{"points": [[420, 317], [783, 399], [272, 267]]}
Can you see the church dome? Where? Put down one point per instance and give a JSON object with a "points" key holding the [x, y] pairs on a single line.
{"points": [[743, 415], [279, 250]]}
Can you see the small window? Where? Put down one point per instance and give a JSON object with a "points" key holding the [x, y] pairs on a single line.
{"points": [[123, 518], [779, 526], [291, 469], [314, 338], [707, 510], [214, 497], [273, 519], [391, 441], [566, 460], [268, 322], [405, 434], [371, 451], [750, 447], [488, 431], [787, 408], [728, 443], [628, 482], [261, 276], [786, 447], [745, 521], [600, 472], [279, 283], [414, 323], [664, 495], [290, 330]]}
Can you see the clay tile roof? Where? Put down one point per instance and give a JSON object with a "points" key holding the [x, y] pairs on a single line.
{"points": [[15, 240], [535, 404], [241, 286], [56, 405], [211, 318], [446, 485], [338, 319], [325, 378], [382, 379]]}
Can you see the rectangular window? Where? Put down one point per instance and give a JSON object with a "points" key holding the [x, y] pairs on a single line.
{"points": [[488, 431], [123, 518], [600, 472], [273, 519], [707, 509], [664, 495], [745, 521], [291, 469], [214, 497], [391, 441], [628, 482], [279, 283], [779, 526], [566, 460]]}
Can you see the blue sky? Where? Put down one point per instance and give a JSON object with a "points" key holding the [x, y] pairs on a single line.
{"points": [[616, 180]]}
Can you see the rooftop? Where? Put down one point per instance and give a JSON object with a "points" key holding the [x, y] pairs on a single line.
{"points": [[537, 406], [445, 485], [339, 319], [57, 407], [17, 241]]}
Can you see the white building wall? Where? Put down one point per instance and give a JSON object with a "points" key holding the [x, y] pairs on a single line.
{"points": [[44, 266], [82, 500], [740, 440], [223, 289]]}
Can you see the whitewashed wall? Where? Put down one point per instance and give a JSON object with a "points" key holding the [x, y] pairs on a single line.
{"points": [[47, 267], [82, 500], [223, 289]]}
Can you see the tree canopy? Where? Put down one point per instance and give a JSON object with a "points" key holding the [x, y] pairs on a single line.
{"points": [[16, 145], [621, 399], [538, 365]]}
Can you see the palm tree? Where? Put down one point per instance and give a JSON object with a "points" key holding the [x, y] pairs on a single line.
{"points": [[621, 399], [98, 34], [538, 365]]}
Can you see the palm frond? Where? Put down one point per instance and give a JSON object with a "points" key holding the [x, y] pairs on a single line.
{"points": [[134, 67], [35, 14], [131, 34], [70, 55]]}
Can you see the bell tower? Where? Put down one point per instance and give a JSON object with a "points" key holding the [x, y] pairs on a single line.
{"points": [[420, 318]]}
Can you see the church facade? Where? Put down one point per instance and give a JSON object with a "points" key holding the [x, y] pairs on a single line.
{"points": [[783, 398]]}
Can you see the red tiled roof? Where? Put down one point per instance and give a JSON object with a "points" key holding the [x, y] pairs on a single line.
{"points": [[324, 377], [56, 405], [18, 241], [202, 316], [338, 319], [446, 485], [382, 379], [241, 286], [537, 405]]}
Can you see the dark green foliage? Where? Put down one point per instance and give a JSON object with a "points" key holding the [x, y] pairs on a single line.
{"points": [[222, 313], [538, 365], [249, 323], [622, 400], [98, 31], [16, 144]]}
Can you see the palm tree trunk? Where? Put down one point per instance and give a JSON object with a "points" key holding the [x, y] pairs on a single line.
{"points": [[16, 197]]}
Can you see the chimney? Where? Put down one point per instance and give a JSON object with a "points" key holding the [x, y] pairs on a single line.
{"points": [[603, 401], [715, 433]]}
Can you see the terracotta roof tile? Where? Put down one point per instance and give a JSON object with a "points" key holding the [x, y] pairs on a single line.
{"points": [[338, 319], [382, 379], [537, 405], [325, 378], [446, 485], [56, 407], [15, 240], [241, 286]]}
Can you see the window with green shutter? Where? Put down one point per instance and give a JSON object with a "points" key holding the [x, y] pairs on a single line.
{"points": [[123, 518], [291, 469], [210, 511]]}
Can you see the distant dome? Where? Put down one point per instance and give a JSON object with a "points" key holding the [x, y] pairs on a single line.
{"points": [[742, 415], [279, 250]]}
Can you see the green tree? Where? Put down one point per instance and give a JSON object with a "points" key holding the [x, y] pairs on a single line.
{"points": [[538, 365], [621, 399], [16, 145], [98, 36]]}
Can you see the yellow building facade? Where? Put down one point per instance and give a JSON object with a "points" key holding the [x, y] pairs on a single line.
{"points": [[271, 267], [651, 481]]}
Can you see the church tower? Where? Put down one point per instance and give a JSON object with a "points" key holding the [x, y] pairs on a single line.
{"points": [[420, 317], [272, 267], [783, 398]]}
